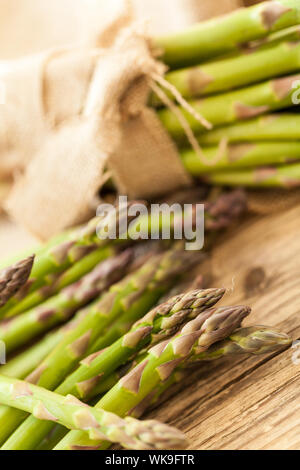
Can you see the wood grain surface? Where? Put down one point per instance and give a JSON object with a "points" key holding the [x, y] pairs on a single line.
{"points": [[249, 403]]}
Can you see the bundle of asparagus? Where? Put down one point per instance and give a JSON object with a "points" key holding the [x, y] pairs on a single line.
{"points": [[231, 70], [158, 367], [109, 286], [121, 345]]}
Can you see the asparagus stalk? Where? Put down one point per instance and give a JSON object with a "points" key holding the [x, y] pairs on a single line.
{"points": [[251, 66], [52, 439], [220, 213], [19, 330], [271, 127], [73, 414], [37, 249], [123, 324], [84, 266], [138, 291], [160, 323], [71, 248], [239, 156], [254, 340], [227, 33], [147, 226], [58, 282], [25, 362], [210, 326], [235, 105], [163, 321], [286, 176], [13, 278]]}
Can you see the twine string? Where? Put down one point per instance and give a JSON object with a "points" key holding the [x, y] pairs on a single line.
{"points": [[156, 78]]}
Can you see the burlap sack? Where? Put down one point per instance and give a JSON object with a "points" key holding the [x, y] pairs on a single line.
{"points": [[87, 111]]}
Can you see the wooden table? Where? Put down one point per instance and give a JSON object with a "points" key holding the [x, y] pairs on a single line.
{"points": [[249, 403], [246, 403]]}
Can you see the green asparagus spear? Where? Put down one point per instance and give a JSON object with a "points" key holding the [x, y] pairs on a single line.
{"points": [[163, 321], [227, 33], [210, 326], [70, 249], [58, 282], [254, 340], [37, 249], [239, 156], [72, 413], [251, 66], [52, 439], [147, 225], [280, 127], [236, 105], [286, 176], [18, 331], [24, 363], [160, 323], [138, 292], [13, 278]]}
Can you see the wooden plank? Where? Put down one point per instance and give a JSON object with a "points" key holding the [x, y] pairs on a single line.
{"points": [[249, 403]]}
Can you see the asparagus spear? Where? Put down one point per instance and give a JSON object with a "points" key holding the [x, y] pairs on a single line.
{"points": [[26, 301], [209, 327], [52, 439], [227, 33], [251, 66], [235, 105], [220, 212], [138, 291], [57, 282], [158, 324], [72, 413], [24, 363], [13, 278], [239, 156], [19, 330], [161, 322], [271, 127], [253, 340], [83, 266], [122, 325], [286, 176], [71, 248]]}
